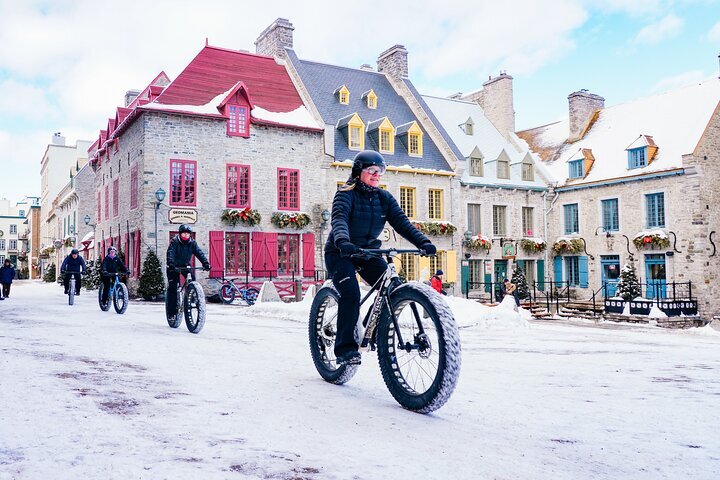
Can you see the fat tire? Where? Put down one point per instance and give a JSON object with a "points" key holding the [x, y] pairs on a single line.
{"points": [[103, 306], [448, 348], [194, 317], [120, 299], [71, 292], [323, 359], [175, 321], [251, 295], [227, 294]]}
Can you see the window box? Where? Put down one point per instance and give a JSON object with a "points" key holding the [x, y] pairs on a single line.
{"points": [[477, 242], [248, 216], [651, 238], [436, 228], [533, 245], [295, 220], [567, 246]]}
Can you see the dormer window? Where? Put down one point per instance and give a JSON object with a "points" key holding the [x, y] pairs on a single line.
{"points": [[468, 126], [503, 166], [383, 133], [637, 157], [343, 95], [528, 171], [411, 135], [641, 152], [237, 124], [476, 167], [576, 168], [370, 99], [355, 133]]}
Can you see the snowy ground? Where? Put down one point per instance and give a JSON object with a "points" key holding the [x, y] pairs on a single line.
{"points": [[91, 394]]}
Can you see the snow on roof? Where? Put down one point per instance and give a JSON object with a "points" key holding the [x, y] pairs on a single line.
{"points": [[674, 121], [300, 117]]}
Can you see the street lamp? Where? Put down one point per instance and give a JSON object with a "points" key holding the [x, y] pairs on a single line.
{"points": [[159, 197], [465, 264], [325, 215], [87, 220]]}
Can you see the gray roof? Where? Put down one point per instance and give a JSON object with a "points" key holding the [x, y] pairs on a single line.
{"points": [[322, 80]]}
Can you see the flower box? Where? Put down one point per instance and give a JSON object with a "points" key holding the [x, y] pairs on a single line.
{"points": [[533, 245], [567, 246], [249, 217], [650, 239], [295, 220], [478, 242], [436, 228]]}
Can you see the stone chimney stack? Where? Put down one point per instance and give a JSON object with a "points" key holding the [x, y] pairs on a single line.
{"points": [[58, 139], [582, 105], [393, 61], [496, 100], [273, 40], [131, 95]]}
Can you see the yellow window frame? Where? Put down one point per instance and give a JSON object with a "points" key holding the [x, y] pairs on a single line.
{"points": [[372, 100], [356, 129], [344, 95], [407, 201], [435, 204], [386, 131]]}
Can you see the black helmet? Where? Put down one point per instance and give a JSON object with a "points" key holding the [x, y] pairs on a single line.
{"points": [[74, 251], [185, 228], [111, 249], [364, 159]]}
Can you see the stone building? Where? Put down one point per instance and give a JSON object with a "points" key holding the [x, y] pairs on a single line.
{"points": [[74, 202], [636, 182]]}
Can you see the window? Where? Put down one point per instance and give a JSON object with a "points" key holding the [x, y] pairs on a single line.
{"points": [[343, 95], [21, 213], [637, 157], [2, 257], [407, 201], [655, 203], [437, 262], [528, 172], [237, 124], [527, 222], [476, 166], [503, 168], [469, 129], [499, 220], [237, 248], [288, 189], [238, 185], [12, 244], [435, 204], [414, 144], [134, 186], [356, 134], [183, 182], [13, 229], [386, 145], [116, 197], [371, 100], [477, 272], [572, 270], [288, 254], [408, 266], [572, 222], [473, 210], [107, 202], [576, 168], [2, 244], [610, 215]]}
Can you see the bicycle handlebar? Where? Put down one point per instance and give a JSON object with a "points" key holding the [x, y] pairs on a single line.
{"points": [[183, 269], [377, 252]]}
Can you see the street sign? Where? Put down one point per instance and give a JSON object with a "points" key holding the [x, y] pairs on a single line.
{"points": [[182, 215], [508, 251]]}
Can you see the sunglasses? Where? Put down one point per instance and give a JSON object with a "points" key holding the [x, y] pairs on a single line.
{"points": [[374, 171]]}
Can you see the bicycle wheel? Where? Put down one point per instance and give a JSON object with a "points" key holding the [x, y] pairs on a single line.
{"points": [[194, 307], [175, 320], [103, 306], [120, 299], [251, 295], [421, 374], [227, 293], [71, 292], [322, 329]]}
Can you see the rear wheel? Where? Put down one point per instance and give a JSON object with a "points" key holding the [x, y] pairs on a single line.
{"points": [[103, 306], [227, 293], [194, 307], [421, 373], [322, 332], [120, 299], [174, 320], [251, 295], [71, 291]]}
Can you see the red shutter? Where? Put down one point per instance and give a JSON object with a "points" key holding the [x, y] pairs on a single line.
{"points": [[217, 254], [126, 250], [271, 250], [136, 259], [258, 254], [308, 243]]}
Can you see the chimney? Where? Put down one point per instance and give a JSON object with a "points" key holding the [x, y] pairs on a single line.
{"points": [[58, 139], [131, 95], [367, 67], [273, 40], [393, 61], [582, 105], [496, 100]]}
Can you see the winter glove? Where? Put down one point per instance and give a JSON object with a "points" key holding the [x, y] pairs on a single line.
{"points": [[347, 248], [206, 266], [428, 248]]}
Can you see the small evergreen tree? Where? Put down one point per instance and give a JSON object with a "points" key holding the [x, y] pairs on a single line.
{"points": [[49, 275], [628, 286], [91, 281], [518, 278], [152, 284]]}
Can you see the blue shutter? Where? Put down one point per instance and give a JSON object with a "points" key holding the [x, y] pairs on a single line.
{"points": [[541, 274], [557, 269], [583, 270]]}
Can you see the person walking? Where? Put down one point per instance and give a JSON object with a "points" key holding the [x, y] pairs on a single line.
{"points": [[7, 273]]}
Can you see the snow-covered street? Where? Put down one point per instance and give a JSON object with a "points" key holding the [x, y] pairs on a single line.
{"points": [[91, 394]]}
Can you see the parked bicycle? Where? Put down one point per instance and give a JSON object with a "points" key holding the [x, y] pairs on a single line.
{"points": [[229, 290], [190, 302], [118, 294], [411, 326]]}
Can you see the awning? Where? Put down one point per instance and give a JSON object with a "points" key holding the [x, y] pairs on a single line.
{"points": [[89, 237]]}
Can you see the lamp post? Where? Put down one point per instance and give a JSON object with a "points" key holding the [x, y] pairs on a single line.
{"points": [[465, 263], [159, 197], [87, 220]]}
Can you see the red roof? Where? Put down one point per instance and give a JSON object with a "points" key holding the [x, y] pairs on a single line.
{"points": [[216, 70]]}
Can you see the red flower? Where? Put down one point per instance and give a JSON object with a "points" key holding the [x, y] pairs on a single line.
{"points": [[647, 239]]}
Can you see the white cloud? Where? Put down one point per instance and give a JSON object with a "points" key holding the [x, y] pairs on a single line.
{"points": [[667, 27], [24, 101], [20, 165], [714, 33], [680, 80]]}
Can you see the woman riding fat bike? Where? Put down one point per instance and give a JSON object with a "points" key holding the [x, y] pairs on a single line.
{"points": [[179, 253]]}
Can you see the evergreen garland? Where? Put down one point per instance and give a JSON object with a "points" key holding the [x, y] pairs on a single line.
{"points": [[628, 286], [518, 278], [152, 284]]}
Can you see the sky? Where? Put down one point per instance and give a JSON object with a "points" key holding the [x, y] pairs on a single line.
{"points": [[65, 65]]}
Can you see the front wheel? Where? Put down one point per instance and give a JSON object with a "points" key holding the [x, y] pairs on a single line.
{"points": [[104, 306], [227, 293], [322, 332], [71, 291], [419, 354], [194, 307], [174, 320], [120, 299]]}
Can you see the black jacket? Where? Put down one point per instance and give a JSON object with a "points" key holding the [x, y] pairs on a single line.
{"points": [[73, 264], [7, 274], [113, 265], [359, 216], [180, 253]]}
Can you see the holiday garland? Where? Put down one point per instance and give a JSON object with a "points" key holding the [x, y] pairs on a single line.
{"points": [[653, 238], [533, 245], [436, 228], [565, 245], [478, 242], [290, 220], [248, 216]]}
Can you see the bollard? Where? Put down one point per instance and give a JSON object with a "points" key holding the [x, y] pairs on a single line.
{"points": [[298, 290]]}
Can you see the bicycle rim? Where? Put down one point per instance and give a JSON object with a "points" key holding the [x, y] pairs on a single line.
{"points": [[103, 306], [227, 293], [194, 307], [71, 292], [251, 295], [120, 299]]}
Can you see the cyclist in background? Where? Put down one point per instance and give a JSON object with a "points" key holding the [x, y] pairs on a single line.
{"points": [[179, 253], [73, 266], [110, 264]]}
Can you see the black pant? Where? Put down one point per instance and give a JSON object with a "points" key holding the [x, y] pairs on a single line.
{"points": [[6, 289], [171, 292], [107, 283], [77, 281], [343, 270]]}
